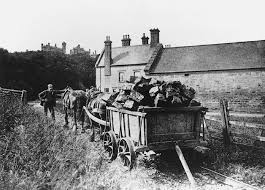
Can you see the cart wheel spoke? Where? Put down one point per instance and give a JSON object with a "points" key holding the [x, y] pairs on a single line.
{"points": [[110, 145], [121, 149], [126, 153], [128, 160], [110, 150]]}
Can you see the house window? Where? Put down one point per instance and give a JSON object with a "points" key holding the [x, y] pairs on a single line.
{"points": [[121, 77], [136, 74]]}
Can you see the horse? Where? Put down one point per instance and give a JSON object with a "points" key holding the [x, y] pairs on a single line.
{"points": [[74, 100], [94, 102], [96, 105]]}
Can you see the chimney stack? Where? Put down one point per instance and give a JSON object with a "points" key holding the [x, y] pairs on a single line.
{"points": [[144, 39], [154, 33], [107, 60], [126, 41]]}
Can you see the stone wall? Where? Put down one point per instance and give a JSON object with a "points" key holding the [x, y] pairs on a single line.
{"points": [[245, 89]]}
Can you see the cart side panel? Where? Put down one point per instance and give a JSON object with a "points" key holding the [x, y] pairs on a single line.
{"points": [[115, 121], [171, 126], [136, 126], [197, 127], [129, 125]]}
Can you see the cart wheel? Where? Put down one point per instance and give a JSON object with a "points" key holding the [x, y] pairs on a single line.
{"points": [[126, 153], [110, 145]]}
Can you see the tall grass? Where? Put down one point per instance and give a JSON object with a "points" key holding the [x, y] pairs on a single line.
{"points": [[35, 153], [243, 163]]}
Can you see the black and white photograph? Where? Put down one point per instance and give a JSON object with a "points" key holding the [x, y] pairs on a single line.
{"points": [[132, 95]]}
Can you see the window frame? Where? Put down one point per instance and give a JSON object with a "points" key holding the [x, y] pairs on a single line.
{"points": [[138, 71], [119, 78]]}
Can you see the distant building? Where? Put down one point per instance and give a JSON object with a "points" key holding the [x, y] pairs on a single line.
{"points": [[49, 48], [94, 54], [79, 50]]}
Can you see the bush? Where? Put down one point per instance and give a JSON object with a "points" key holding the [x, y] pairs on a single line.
{"points": [[33, 70]]}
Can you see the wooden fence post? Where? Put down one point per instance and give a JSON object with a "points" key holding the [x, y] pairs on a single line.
{"points": [[24, 97], [225, 120]]}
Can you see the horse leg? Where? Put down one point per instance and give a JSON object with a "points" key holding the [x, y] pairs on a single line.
{"points": [[75, 124], [66, 116], [82, 118], [92, 137]]}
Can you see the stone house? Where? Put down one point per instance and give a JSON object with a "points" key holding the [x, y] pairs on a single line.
{"points": [[235, 71]]}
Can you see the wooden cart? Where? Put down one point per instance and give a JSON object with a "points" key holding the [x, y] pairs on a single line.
{"points": [[150, 128]]}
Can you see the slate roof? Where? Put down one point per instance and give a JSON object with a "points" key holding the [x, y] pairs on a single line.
{"points": [[128, 55], [228, 56]]}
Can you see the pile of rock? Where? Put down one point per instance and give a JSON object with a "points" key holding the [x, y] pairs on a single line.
{"points": [[153, 93]]}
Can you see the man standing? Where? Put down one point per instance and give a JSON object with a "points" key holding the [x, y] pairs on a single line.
{"points": [[48, 100]]}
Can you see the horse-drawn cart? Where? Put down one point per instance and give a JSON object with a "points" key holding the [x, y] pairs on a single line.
{"points": [[151, 128]]}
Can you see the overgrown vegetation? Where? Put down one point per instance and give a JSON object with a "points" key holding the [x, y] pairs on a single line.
{"points": [[33, 70], [245, 164], [35, 153]]}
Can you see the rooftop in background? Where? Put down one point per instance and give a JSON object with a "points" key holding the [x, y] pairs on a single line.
{"points": [[128, 55], [214, 57], [158, 59]]}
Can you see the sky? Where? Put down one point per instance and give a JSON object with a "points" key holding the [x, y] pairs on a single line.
{"points": [[25, 24]]}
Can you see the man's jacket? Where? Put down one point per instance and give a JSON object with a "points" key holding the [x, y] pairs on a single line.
{"points": [[49, 97]]}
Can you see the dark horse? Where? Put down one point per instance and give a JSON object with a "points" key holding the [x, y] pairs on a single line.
{"points": [[96, 106], [74, 100]]}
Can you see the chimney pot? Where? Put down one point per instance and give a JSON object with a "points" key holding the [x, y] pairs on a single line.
{"points": [[126, 41], [144, 39], [107, 38]]}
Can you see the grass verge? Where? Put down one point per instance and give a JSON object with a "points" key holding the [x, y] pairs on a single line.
{"points": [[39, 154]]}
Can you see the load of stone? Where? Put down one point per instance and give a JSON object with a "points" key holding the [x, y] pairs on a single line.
{"points": [[154, 93]]}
